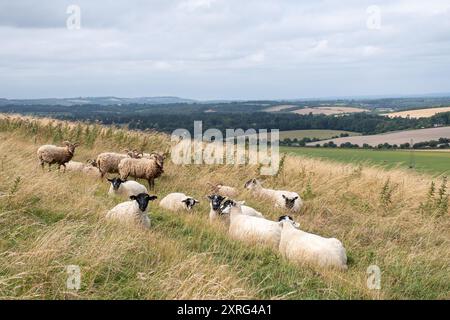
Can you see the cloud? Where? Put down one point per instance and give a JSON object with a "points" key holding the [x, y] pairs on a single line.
{"points": [[223, 48]]}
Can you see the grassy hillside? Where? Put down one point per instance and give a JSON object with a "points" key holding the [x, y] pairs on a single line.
{"points": [[432, 162], [49, 220]]}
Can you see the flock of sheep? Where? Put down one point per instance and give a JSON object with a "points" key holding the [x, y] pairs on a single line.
{"points": [[244, 223]]}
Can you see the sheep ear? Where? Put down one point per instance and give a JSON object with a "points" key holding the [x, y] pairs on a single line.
{"points": [[196, 201], [284, 197], [295, 198], [133, 197], [110, 180], [151, 198], [185, 200]]}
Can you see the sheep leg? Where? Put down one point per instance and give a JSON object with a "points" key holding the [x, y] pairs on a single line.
{"points": [[64, 165], [151, 184]]}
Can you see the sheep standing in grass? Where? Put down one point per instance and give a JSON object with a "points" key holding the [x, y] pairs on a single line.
{"points": [[148, 169], [51, 154], [133, 211], [252, 229], [108, 162], [282, 199], [125, 188], [303, 247], [177, 202], [223, 190]]}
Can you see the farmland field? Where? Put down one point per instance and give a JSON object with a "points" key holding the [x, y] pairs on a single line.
{"points": [[418, 113], [319, 134], [398, 137], [432, 162], [329, 110]]}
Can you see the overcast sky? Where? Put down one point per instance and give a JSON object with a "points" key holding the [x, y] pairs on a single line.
{"points": [[224, 49]]}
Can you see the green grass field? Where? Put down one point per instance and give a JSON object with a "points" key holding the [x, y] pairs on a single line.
{"points": [[319, 134], [432, 162]]}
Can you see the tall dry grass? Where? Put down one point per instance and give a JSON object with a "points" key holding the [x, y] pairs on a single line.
{"points": [[49, 220]]}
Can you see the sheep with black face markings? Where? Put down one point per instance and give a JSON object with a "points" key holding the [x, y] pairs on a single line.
{"points": [[51, 154], [252, 229], [218, 203], [178, 201], [282, 199], [133, 211], [125, 188], [303, 247], [148, 169]]}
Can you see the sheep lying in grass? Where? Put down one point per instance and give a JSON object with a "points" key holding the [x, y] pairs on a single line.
{"points": [[89, 168], [223, 190], [218, 203], [51, 154], [282, 199], [133, 211], [125, 188], [300, 246], [252, 229], [108, 162], [148, 169], [178, 201]]}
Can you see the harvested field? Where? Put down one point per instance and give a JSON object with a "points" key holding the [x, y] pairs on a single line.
{"points": [[398, 138], [329, 110], [419, 113], [280, 107]]}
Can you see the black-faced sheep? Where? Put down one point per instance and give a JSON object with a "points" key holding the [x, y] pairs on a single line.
{"points": [[282, 199], [125, 188], [177, 201], [133, 211]]}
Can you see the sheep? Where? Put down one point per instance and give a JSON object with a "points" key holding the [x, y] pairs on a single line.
{"points": [[108, 162], [134, 211], [300, 246], [52, 154], [249, 211], [282, 199], [252, 229], [148, 169], [125, 188], [218, 203], [177, 201], [223, 190], [88, 169]]}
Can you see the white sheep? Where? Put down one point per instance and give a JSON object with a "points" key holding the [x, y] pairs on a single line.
{"points": [[51, 154], [148, 169], [88, 169], [133, 211], [252, 229], [177, 201], [282, 199], [223, 190], [217, 203], [125, 188], [300, 246]]}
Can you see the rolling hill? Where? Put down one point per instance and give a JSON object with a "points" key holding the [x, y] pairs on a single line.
{"points": [[49, 220]]}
